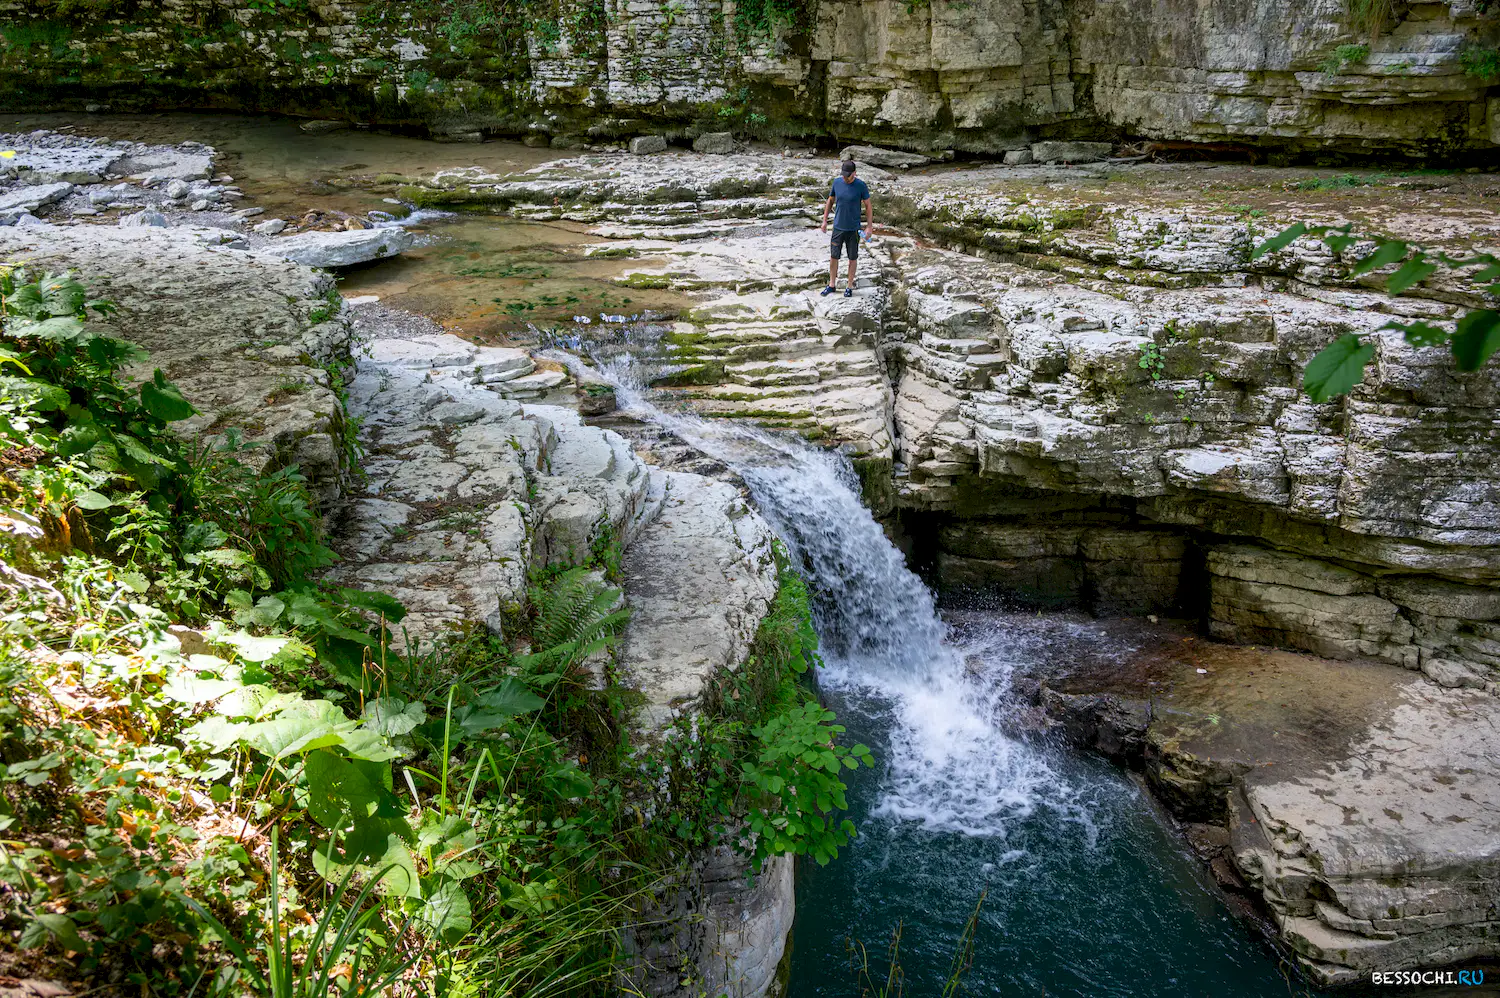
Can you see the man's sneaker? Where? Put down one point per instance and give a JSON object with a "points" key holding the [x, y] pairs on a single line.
{"points": [[848, 292], [827, 291]]}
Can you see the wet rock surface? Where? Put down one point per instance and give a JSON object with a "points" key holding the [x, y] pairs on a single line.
{"points": [[1032, 448], [469, 487]]}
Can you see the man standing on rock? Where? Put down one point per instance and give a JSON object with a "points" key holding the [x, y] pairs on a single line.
{"points": [[848, 193]]}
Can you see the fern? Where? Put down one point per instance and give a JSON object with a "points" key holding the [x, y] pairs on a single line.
{"points": [[576, 616]]}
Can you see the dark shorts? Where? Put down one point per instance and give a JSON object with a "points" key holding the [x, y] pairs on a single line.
{"points": [[844, 239]]}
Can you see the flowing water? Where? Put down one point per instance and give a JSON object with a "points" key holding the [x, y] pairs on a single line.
{"points": [[1081, 888]]}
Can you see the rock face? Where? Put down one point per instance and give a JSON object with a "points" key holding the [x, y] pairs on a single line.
{"points": [[51, 157], [1356, 801], [1112, 416], [1388, 857], [993, 76], [1091, 394]]}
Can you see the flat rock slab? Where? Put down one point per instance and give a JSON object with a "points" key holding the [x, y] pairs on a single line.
{"points": [[1363, 800], [1389, 856], [341, 249], [466, 490], [32, 197], [52, 156]]}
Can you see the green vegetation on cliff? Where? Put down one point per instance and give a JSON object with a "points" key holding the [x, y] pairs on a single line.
{"points": [[218, 774]]}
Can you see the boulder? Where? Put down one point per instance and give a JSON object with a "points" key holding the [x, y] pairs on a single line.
{"points": [[342, 249], [323, 126], [176, 190], [271, 227], [1019, 157], [876, 156], [714, 143], [1070, 152], [643, 145], [143, 219]]}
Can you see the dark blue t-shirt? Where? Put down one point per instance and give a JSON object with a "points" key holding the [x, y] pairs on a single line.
{"points": [[847, 200]]}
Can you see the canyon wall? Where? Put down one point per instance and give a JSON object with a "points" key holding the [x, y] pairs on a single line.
{"points": [[1274, 76]]}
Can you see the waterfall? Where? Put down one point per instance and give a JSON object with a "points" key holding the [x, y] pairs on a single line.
{"points": [[948, 767]]}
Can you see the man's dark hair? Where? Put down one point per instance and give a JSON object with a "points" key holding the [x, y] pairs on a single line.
{"points": [[848, 168]]}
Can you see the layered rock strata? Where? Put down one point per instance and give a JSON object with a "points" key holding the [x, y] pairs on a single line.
{"points": [[468, 489], [1358, 803], [990, 76], [1103, 405]]}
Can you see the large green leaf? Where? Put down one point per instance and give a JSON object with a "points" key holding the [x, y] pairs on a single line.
{"points": [[191, 690], [162, 399], [338, 791], [376, 602], [393, 717], [493, 709], [1477, 338], [1279, 241], [1412, 272], [304, 725], [1338, 368], [1383, 256], [219, 733], [447, 914]]}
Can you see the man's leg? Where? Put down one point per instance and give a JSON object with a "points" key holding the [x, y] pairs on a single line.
{"points": [[833, 271], [852, 264]]}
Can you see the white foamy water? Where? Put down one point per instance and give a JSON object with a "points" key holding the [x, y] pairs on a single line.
{"points": [[948, 768]]}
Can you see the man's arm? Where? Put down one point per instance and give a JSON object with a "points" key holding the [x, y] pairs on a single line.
{"points": [[827, 205], [869, 217]]}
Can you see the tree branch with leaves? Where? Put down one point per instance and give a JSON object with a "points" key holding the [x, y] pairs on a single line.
{"points": [[1474, 338]]}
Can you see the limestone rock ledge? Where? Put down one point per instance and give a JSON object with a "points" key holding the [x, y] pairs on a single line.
{"points": [[1389, 857], [1356, 802]]}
